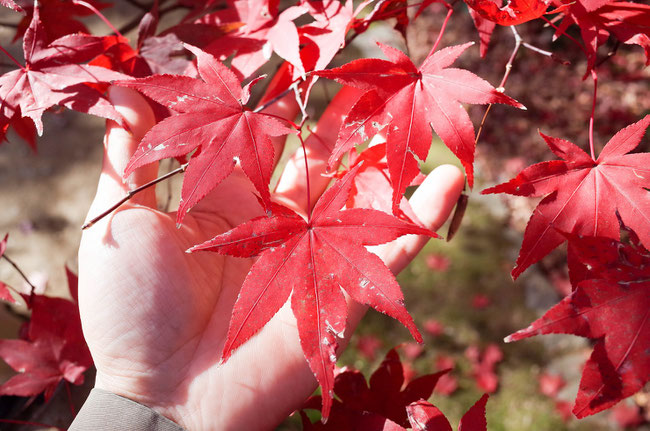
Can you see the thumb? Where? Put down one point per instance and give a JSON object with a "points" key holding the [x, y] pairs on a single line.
{"points": [[119, 146]]}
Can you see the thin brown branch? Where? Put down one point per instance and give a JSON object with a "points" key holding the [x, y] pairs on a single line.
{"points": [[17, 268], [274, 100], [132, 193]]}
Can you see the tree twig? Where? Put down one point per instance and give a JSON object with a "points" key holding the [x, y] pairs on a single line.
{"points": [[17, 268], [132, 193], [504, 79]]}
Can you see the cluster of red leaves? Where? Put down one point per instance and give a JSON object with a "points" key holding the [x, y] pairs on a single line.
{"points": [[597, 20], [53, 75], [51, 347], [386, 403], [312, 260], [610, 304], [583, 196]]}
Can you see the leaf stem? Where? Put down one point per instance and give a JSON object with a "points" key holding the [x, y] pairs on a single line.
{"points": [[594, 76], [34, 424], [304, 152], [99, 14], [274, 100], [12, 58], [450, 11], [132, 193], [304, 114], [504, 79], [22, 274]]}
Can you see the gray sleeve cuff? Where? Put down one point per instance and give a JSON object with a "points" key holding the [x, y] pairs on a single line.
{"points": [[105, 411]]}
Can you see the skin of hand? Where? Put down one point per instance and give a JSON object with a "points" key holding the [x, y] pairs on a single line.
{"points": [[155, 318]]}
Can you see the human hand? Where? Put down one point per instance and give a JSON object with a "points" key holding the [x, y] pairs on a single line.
{"points": [[155, 318]]}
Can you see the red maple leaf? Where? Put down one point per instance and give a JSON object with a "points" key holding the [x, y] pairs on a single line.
{"points": [[386, 393], [513, 13], [583, 195], [597, 19], [52, 349], [381, 401], [312, 261], [613, 309], [213, 118], [408, 101], [59, 17], [424, 416], [52, 76]]}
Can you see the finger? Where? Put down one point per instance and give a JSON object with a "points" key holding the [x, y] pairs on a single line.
{"points": [[432, 203], [119, 146], [292, 186]]}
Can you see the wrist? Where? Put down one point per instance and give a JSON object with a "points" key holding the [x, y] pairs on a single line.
{"points": [[163, 405]]}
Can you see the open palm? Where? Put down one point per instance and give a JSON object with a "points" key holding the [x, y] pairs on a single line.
{"points": [[156, 318]]}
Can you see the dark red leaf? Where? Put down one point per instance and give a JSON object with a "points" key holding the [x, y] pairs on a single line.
{"points": [[614, 311], [53, 349], [474, 419], [424, 416]]}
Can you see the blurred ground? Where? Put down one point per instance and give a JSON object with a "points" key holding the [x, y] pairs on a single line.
{"points": [[44, 198]]}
